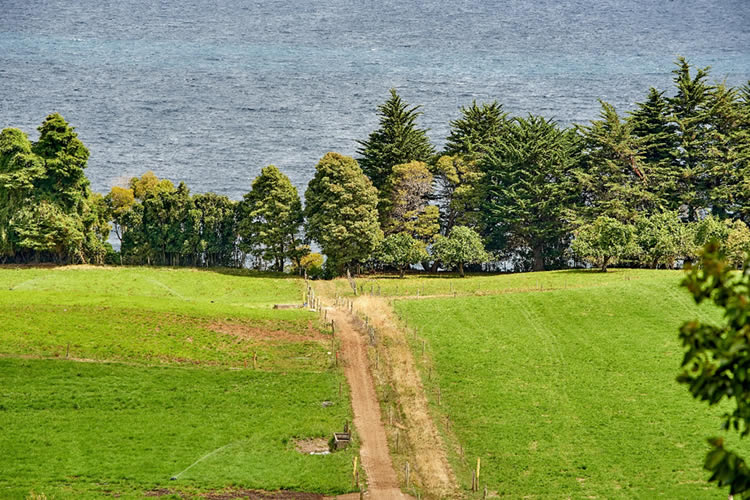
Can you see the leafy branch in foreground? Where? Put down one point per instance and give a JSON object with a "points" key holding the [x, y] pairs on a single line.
{"points": [[716, 365]]}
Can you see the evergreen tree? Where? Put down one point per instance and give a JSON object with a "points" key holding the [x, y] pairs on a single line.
{"points": [[474, 133], [47, 210], [728, 150], [741, 194], [651, 124], [341, 211], [217, 228], [690, 115], [270, 218], [612, 176], [527, 188], [398, 140]]}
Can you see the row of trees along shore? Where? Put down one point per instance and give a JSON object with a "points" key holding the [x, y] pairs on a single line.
{"points": [[645, 189]]}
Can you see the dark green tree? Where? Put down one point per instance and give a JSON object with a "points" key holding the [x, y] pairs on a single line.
{"points": [[528, 186], [612, 177], [341, 211], [271, 217], [218, 231], [47, 210], [475, 132], [691, 117], [657, 146], [398, 140]]}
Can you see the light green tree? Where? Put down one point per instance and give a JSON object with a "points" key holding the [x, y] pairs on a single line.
{"points": [[406, 202], [662, 239], [341, 211], [459, 193], [738, 243], [400, 251], [461, 247], [716, 365], [604, 241]]}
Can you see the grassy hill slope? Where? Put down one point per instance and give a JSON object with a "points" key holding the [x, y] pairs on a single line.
{"points": [[568, 392], [114, 380]]}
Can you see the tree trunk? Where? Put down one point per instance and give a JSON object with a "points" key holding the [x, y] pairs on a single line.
{"points": [[538, 258], [400, 272], [605, 261], [461, 269]]}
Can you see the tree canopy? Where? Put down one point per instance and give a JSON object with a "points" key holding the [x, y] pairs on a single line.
{"points": [[527, 187], [397, 140], [271, 218], [341, 211]]}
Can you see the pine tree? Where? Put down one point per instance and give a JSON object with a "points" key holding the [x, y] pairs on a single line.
{"points": [[612, 176], [398, 140], [528, 187], [689, 110], [651, 123], [474, 133]]}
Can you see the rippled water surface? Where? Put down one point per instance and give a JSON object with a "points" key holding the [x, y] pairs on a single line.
{"points": [[211, 91]]}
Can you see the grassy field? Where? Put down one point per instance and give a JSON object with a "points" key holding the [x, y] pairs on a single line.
{"points": [[159, 374], [568, 392], [448, 284]]}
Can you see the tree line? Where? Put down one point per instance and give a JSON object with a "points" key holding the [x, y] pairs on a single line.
{"points": [[643, 189]]}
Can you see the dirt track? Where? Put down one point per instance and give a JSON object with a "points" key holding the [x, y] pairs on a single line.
{"points": [[431, 462], [376, 459]]}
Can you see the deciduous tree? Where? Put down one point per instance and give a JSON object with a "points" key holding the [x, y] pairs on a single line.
{"points": [[716, 365], [341, 211], [400, 251], [463, 246], [271, 217], [604, 241]]}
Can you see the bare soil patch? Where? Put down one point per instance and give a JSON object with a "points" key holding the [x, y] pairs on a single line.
{"points": [[376, 459], [311, 446]]}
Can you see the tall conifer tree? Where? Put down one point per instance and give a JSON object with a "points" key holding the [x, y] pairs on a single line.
{"points": [[398, 140]]}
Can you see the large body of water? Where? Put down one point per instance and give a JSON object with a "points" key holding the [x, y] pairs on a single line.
{"points": [[211, 91]]}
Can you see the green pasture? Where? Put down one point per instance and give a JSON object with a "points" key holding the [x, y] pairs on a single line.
{"points": [[158, 315], [159, 373], [73, 430], [450, 284], [568, 392]]}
